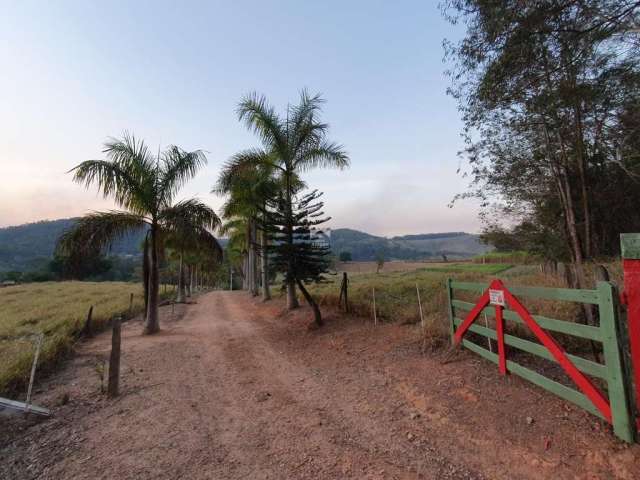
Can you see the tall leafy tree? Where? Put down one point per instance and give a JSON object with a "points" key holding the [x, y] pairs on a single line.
{"points": [[291, 144], [145, 187], [543, 88]]}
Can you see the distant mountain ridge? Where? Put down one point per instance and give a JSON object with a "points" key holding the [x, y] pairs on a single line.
{"points": [[29, 246], [366, 247]]}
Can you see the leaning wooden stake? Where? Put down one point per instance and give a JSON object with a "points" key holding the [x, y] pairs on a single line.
{"points": [[114, 359], [130, 305], [86, 330], [375, 315], [33, 371], [420, 307]]}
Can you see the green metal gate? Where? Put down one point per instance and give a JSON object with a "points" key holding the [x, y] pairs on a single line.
{"points": [[614, 406]]}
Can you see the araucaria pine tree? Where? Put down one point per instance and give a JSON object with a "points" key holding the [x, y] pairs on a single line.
{"points": [[306, 259], [291, 145]]}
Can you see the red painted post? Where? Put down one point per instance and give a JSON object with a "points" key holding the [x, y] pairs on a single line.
{"points": [[502, 356], [630, 243]]}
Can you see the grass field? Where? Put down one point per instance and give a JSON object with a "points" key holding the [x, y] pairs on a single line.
{"points": [[487, 269], [406, 266], [59, 310], [396, 296]]}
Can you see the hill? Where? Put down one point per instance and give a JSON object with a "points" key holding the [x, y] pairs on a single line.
{"points": [[365, 247], [29, 246]]}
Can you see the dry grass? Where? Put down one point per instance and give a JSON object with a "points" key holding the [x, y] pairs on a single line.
{"points": [[59, 310], [389, 266], [396, 297]]}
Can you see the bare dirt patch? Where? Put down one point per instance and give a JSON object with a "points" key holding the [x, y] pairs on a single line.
{"points": [[238, 389]]}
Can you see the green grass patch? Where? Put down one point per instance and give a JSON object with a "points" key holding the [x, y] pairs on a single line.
{"points": [[487, 269], [519, 257]]}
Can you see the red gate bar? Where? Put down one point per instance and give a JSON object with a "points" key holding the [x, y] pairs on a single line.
{"points": [[630, 246]]}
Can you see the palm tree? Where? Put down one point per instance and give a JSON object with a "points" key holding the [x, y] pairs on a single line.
{"points": [[145, 187], [235, 250], [190, 245], [290, 145], [248, 180]]}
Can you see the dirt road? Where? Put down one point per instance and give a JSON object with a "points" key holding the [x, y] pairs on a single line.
{"points": [[232, 389]]}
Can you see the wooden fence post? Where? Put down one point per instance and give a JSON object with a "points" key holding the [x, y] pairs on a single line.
{"points": [[86, 330], [452, 325], [344, 292], [114, 359], [131, 305], [420, 306], [375, 315]]}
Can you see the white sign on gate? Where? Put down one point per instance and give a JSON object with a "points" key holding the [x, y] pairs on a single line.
{"points": [[496, 297]]}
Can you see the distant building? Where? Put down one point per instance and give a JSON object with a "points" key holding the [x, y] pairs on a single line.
{"points": [[322, 237]]}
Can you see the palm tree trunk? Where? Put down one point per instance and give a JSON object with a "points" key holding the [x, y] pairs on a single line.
{"points": [[152, 324], [245, 268], [292, 300], [181, 292], [188, 281], [250, 277], [266, 293], [317, 316], [145, 275], [254, 259]]}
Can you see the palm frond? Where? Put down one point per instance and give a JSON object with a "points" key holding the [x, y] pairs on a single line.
{"points": [[97, 231], [234, 225], [112, 180], [131, 154], [178, 167], [305, 111], [259, 116], [188, 214], [325, 154], [207, 244], [241, 167]]}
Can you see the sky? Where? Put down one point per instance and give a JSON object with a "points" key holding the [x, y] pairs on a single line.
{"points": [[74, 73]]}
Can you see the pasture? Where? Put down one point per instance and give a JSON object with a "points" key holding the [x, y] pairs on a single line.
{"points": [[397, 301], [59, 310]]}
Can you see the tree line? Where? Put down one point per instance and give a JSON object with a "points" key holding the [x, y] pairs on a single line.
{"points": [[549, 94], [271, 215]]}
